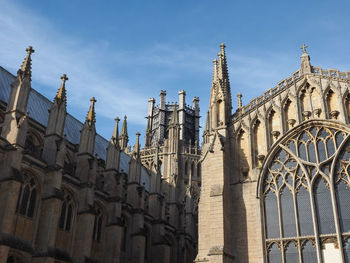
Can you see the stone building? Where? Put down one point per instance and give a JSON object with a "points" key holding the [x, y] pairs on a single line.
{"points": [[69, 195], [275, 173]]}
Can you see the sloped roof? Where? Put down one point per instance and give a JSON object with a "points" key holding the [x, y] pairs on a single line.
{"points": [[38, 108]]}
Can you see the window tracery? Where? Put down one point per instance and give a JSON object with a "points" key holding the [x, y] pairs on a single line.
{"points": [[66, 216], [27, 197], [308, 175]]}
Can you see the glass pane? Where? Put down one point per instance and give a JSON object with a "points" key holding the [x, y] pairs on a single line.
{"points": [[25, 200], [304, 212], [339, 137], [288, 216], [311, 152], [292, 255], [309, 253], [275, 255], [347, 251], [69, 217], [321, 151], [63, 216], [291, 146], [271, 216], [302, 151], [330, 147], [343, 200], [32, 203], [324, 208]]}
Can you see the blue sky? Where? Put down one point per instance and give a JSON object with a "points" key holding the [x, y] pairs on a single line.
{"points": [[123, 52]]}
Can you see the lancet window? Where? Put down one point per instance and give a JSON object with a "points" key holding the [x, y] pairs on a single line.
{"points": [[66, 216], [27, 197], [305, 194]]}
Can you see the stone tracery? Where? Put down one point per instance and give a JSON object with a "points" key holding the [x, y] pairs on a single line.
{"points": [[304, 184]]}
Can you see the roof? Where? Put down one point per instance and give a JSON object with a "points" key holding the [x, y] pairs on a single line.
{"points": [[38, 107]]}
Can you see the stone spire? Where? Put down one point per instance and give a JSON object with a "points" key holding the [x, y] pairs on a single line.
{"points": [[220, 97], [26, 68], [113, 150], [115, 135], [305, 61], [91, 117], [88, 133], [61, 95], [124, 138]]}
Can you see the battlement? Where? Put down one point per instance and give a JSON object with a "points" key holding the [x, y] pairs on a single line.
{"points": [[284, 84]]}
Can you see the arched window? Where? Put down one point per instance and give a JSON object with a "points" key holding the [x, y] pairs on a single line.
{"points": [[66, 216], [97, 232], [275, 255], [291, 254], [33, 145], [295, 190], [186, 168], [27, 197]]}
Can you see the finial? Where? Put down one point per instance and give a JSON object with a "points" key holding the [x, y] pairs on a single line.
{"points": [[239, 96], [91, 114], [222, 46], [303, 47], [30, 50], [61, 93], [26, 68]]}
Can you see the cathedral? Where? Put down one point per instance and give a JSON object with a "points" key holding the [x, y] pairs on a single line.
{"points": [[268, 182], [69, 195], [276, 172]]}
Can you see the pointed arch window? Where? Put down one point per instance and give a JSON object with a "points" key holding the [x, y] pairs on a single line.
{"points": [[97, 231], [296, 190], [27, 197], [66, 216]]}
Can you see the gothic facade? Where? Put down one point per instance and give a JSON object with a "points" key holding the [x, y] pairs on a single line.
{"points": [[69, 195], [275, 173]]}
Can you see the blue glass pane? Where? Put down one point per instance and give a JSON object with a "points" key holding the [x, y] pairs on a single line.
{"points": [[271, 216], [311, 152], [288, 216], [304, 212], [343, 200], [309, 253], [347, 251], [291, 254], [324, 209], [275, 255]]}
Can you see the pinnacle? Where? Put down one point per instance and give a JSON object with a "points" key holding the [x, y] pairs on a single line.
{"points": [[26, 68], [124, 131], [61, 93], [90, 118], [115, 135], [174, 120]]}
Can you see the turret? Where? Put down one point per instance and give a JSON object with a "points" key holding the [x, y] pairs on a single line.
{"points": [[195, 103], [88, 133], [220, 98], [174, 127], [135, 163], [181, 112], [124, 138]]}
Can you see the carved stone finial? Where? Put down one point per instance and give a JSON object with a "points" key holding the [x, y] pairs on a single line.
{"points": [[303, 47], [30, 50], [61, 93], [91, 114]]}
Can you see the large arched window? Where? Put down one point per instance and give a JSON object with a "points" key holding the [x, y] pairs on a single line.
{"points": [[305, 195], [27, 197]]}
